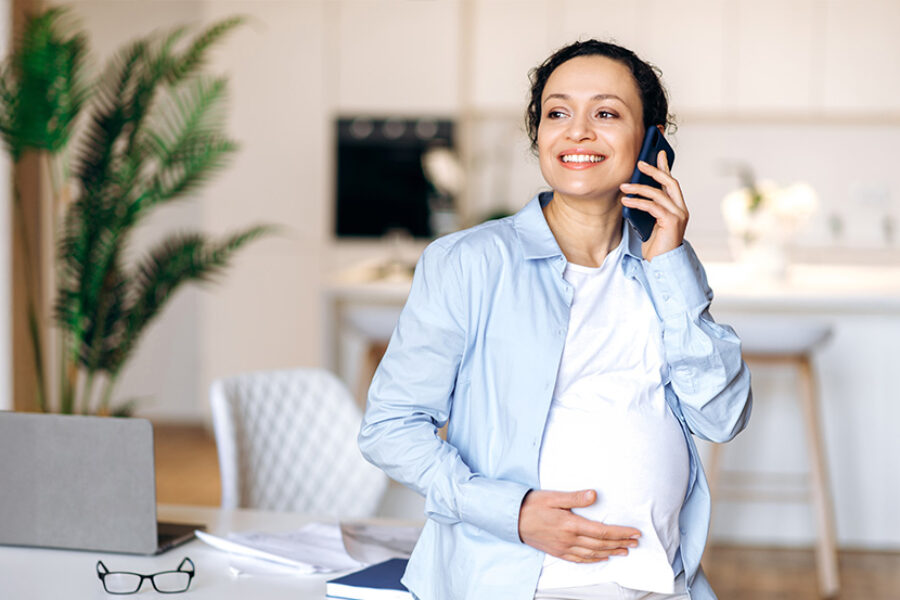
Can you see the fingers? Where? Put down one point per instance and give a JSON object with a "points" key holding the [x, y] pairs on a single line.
{"points": [[654, 207], [662, 161], [589, 549], [662, 176], [584, 555], [615, 534], [579, 499], [648, 192]]}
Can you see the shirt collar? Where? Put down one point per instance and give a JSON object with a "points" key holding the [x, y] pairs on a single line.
{"points": [[537, 239]]}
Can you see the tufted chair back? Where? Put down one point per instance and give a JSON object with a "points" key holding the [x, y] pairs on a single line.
{"points": [[287, 442]]}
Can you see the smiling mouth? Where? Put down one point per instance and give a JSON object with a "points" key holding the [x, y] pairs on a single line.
{"points": [[582, 158]]}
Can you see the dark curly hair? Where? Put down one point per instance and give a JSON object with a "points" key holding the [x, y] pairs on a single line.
{"points": [[646, 76]]}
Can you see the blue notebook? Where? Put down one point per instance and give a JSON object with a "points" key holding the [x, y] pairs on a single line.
{"points": [[381, 581]]}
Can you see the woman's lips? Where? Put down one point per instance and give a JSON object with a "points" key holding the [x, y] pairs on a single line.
{"points": [[580, 160]]}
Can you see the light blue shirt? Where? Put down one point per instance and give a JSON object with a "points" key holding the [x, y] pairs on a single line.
{"points": [[478, 346]]}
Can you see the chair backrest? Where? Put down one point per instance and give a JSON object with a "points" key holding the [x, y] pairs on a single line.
{"points": [[287, 441]]}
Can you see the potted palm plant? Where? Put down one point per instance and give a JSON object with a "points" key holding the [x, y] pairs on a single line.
{"points": [[147, 131]]}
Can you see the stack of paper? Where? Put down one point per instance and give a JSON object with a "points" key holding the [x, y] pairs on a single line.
{"points": [[315, 548], [320, 547]]}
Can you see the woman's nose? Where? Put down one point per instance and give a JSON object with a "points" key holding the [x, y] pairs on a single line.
{"points": [[579, 129]]}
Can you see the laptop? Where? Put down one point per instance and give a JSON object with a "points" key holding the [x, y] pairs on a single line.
{"points": [[82, 483]]}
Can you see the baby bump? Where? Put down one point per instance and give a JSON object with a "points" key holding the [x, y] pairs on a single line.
{"points": [[634, 456]]}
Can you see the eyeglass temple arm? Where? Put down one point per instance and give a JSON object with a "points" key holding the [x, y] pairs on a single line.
{"points": [[105, 570], [189, 562]]}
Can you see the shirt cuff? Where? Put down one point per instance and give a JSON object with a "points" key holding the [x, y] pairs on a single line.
{"points": [[677, 282], [493, 505]]}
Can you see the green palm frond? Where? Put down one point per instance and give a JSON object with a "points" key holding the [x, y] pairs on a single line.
{"points": [[91, 239], [196, 163], [193, 110], [194, 57], [109, 118], [183, 142], [177, 260], [42, 84]]}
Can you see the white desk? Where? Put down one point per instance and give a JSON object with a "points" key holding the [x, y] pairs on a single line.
{"points": [[43, 574]]}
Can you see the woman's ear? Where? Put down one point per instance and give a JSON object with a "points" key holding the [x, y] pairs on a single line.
{"points": [[662, 129]]}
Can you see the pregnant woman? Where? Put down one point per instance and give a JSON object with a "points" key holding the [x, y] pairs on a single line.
{"points": [[573, 364]]}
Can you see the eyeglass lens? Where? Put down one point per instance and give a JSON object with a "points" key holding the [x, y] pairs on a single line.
{"points": [[171, 581], [122, 583]]}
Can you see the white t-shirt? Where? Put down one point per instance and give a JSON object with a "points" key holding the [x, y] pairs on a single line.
{"points": [[610, 429]]}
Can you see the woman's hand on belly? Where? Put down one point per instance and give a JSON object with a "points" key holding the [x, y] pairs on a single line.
{"points": [[546, 522]]}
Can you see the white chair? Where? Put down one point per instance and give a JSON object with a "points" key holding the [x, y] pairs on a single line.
{"points": [[789, 342], [287, 442]]}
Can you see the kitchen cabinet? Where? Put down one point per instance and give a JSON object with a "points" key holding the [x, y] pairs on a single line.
{"points": [[749, 58], [688, 40], [509, 38], [861, 56], [611, 20], [775, 67], [396, 56]]}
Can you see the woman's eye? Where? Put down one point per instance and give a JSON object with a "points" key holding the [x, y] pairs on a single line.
{"points": [[605, 114], [555, 114]]}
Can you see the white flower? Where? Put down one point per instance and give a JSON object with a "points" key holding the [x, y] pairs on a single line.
{"points": [[777, 210]]}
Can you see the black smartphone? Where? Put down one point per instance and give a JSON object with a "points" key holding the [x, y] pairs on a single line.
{"points": [[654, 141]]}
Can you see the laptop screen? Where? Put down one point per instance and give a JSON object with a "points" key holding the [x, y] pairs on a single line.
{"points": [[77, 482]]}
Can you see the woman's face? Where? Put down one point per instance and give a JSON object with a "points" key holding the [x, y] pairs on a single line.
{"points": [[591, 128]]}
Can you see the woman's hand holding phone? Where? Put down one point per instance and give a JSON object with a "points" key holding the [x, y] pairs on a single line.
{"points": [[665, 204]]}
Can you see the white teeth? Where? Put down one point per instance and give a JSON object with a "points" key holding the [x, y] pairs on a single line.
{"points": [[582, 158]]}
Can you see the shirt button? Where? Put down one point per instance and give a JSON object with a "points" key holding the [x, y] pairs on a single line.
{"points": [[658, 275], [666, 297]]}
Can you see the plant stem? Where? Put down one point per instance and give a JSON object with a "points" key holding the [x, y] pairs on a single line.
{"points": [[34, 330], [107, 394], [33, 322], [86, 393], [68, 364]]}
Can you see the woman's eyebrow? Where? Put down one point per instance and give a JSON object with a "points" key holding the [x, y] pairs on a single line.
{"points": [[593, 98]]}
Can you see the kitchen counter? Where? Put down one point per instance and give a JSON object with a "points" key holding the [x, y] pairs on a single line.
{"points": [[840, 288]]}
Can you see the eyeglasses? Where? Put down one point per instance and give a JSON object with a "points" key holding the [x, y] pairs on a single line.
{"points": [[164, 582]]}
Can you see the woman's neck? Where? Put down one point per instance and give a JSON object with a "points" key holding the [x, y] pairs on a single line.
{"points": [[586, 230]]}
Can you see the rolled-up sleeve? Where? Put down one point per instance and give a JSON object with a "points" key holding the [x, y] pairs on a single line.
{"points": [[411, 397], [706, 370]]}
